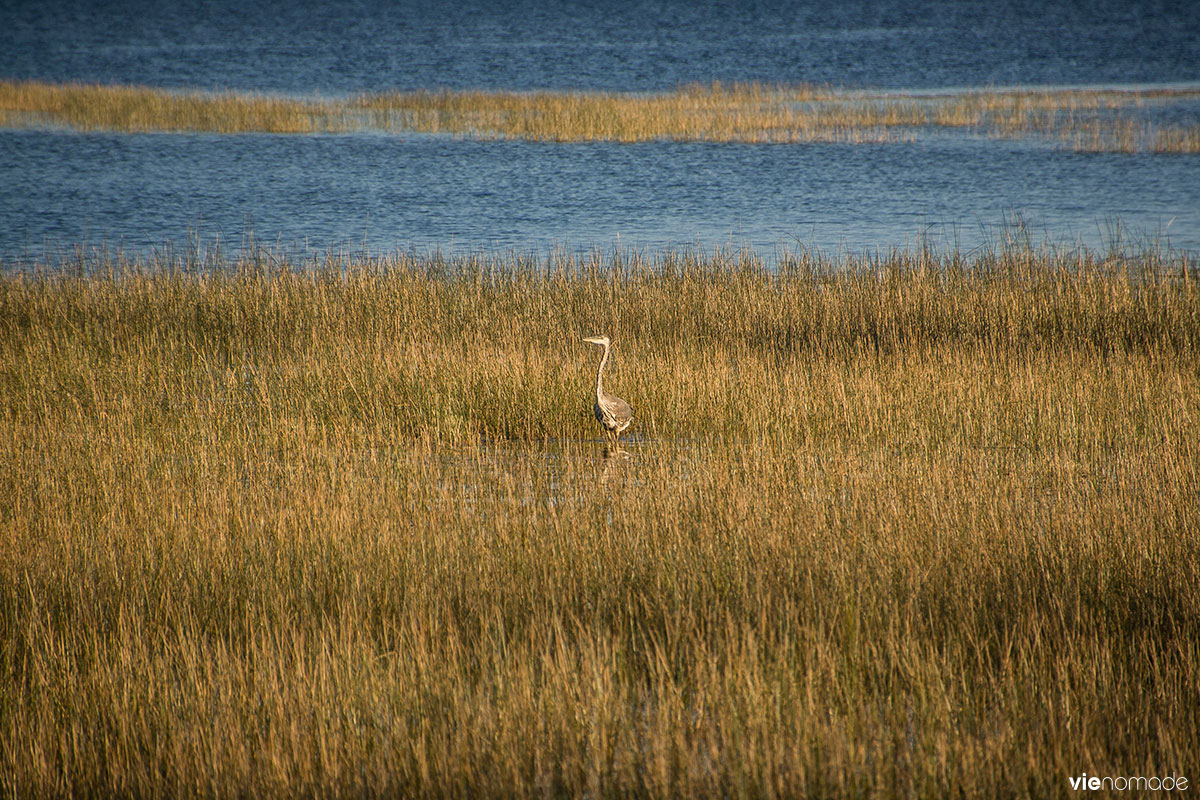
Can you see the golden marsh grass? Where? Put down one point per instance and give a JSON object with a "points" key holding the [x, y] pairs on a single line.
{"points": [[915, 525], [141, 109], [1085, 119]]}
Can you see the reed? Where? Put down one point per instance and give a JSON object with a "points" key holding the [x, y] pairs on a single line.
{"points": [[1177, 139], [719, 113], [1084, 119], [915, 524], [139, 109]]}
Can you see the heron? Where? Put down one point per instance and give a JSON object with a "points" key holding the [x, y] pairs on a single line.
{"points": [[611, 411]]}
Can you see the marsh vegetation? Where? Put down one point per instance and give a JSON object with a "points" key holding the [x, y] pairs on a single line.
{"points": [[1093, 120], [911, 524]]}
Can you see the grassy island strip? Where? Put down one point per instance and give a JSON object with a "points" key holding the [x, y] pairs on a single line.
{"points": [[1082, 119], [915, 525]]}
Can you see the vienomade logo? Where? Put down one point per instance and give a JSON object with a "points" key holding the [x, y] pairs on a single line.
{"points": [[1123, 783]]}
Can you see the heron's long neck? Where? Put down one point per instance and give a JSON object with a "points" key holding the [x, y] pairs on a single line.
{"points": [[600, 373]]}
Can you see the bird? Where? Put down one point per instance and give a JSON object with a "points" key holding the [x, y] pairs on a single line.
{"points": [[611, 411]]}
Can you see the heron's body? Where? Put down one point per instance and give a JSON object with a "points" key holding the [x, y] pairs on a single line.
{"points": [[611, 411]]}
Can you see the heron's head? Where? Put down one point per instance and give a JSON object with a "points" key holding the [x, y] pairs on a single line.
{"points": [[602, 341]]}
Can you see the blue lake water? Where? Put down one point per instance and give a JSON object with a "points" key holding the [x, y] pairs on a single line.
{"points": [[60, 189]]}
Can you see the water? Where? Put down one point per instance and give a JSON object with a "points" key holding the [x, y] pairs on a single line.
{"points": [[274, 45], [385, 192]]}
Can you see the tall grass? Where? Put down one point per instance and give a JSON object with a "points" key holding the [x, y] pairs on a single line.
{"points": [[911, 525], [141, 109], [1094, 120], [716, 112]]}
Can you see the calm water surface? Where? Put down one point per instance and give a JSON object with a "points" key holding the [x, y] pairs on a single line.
{"points": [[341, 192], [339, 47], [330, 192]]}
